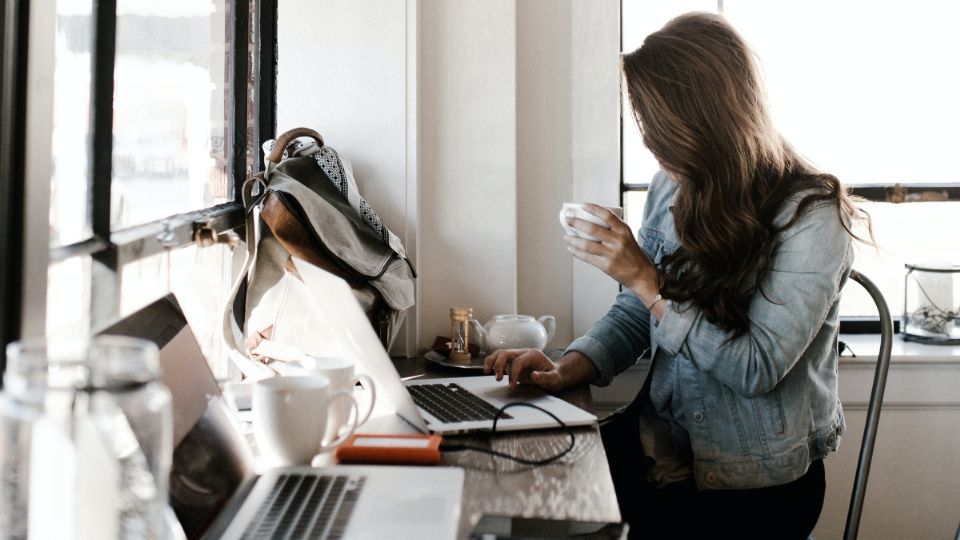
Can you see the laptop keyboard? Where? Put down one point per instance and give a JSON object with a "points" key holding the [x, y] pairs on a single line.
{"points": [[306, 506], [452, 403]]}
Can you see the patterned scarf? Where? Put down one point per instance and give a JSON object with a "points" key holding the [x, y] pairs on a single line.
{"points": [[340, 172]]}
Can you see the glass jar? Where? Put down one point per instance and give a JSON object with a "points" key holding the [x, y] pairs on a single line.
{"points": [[21, 403], [931, 303], [90, 426]]}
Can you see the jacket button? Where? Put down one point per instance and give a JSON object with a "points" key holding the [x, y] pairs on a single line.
{"points": [[711, 477], [698, 416]]}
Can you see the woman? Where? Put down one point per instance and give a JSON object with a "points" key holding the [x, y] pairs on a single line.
{"points": [[733, 287]]}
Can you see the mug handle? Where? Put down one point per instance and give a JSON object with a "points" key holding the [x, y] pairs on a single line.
{"points": [[353, 425], [367, 383], [550, 323]]}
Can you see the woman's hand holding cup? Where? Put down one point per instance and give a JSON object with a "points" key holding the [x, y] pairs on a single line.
{"points": [[611, 247]]}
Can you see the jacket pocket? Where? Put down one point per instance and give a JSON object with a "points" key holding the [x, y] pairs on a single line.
{"points": [[772, 413]]}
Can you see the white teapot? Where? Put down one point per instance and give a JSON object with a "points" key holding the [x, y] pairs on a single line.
{"points": [[514, 332]]}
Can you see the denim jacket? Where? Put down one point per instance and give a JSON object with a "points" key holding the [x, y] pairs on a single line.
{"points": [[759, 408]]}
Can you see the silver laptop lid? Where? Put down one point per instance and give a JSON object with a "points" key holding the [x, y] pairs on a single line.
{"points": [[335, 305]]}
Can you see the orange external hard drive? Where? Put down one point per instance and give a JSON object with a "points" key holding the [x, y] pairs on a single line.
{"points": [[366, 448]]}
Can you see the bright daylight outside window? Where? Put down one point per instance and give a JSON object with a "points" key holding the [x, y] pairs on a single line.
{"points": [[865, 91], [170, 119], [171, 129]]}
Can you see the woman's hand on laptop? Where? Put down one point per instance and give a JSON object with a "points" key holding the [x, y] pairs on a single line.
{"points": [[527, 366], [531, 366]]}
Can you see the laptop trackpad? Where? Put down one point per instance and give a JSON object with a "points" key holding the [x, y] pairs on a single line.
{"points": [[520, 393], [424, 508]]}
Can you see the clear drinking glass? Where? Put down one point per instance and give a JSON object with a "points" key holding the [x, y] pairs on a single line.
{"points": [[86, 440]]}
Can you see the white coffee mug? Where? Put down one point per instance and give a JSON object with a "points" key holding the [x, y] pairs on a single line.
{"points": [[291, 415], [578, 211], [341, 372]]}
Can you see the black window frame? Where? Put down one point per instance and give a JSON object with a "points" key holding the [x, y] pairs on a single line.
{"points": [[14, 18], [894, 193], [110, 250]]}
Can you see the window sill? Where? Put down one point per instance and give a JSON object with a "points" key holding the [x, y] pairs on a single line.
{"points": [[921, 378], [867, 347]]}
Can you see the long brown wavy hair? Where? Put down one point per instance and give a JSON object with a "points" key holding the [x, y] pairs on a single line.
{"points": [[699, 103]]}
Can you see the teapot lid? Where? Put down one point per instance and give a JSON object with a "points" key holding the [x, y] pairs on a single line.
{"points": [[512, 317]]}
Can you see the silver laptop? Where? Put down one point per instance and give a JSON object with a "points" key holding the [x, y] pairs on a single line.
{"points": [[445, 406], [215, 493]]}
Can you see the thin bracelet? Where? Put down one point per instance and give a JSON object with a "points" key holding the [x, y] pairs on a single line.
{"points": [[656, 299]]}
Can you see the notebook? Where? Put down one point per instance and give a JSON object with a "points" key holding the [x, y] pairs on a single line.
{"points": [[215, 492], [425, 404]]}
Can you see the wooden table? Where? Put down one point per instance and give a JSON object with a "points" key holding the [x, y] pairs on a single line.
{"points": [[578, 486]]}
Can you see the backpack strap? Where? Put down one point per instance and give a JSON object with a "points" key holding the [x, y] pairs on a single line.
{"points": [[234, 310]]}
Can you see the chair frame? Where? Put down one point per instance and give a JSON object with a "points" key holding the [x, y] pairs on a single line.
{"points": [[873, 410]]}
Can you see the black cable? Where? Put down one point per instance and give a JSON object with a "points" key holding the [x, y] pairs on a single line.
{"points": [[464, 447]]}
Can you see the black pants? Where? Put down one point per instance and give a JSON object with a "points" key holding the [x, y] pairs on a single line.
{"points": [[681, 511]]}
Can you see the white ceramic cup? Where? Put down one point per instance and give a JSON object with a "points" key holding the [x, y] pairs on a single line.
{"points": [[578, 211], [291, 415], [343, 378]]}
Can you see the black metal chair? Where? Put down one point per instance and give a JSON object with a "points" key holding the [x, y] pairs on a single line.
{"points": [[873, 410]]}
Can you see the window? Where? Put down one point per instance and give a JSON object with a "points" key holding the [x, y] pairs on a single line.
{"points": [[157, 108], [864, 92]]}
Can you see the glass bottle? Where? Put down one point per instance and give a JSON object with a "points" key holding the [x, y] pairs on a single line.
{"points": [[90, 428], [21, 403]]}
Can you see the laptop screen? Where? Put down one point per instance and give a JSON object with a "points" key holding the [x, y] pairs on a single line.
{"points": [[210, 455]]}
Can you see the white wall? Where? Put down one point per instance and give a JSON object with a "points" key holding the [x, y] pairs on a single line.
{"points": [[468, 172], [343, 70], [568, 150], [596, 138], [544, 170], [469, 122], [519, 113]]}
